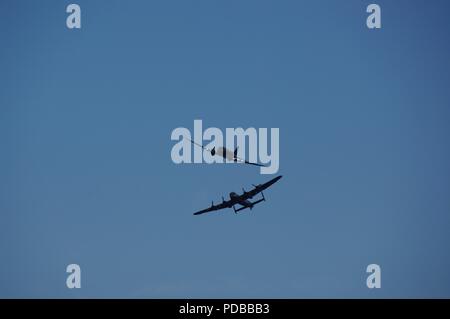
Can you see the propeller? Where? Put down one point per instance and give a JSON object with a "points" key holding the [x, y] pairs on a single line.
{"points": [[212, 204]]}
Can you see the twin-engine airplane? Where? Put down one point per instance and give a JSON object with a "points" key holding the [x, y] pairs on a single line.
{"points": [[226, 154], [242, 200]]}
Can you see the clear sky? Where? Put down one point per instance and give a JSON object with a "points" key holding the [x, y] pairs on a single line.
{"points": [[86, 175]]}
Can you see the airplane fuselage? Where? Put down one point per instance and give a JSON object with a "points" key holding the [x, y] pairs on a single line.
{"points": [[237, 199], [223, 152]]}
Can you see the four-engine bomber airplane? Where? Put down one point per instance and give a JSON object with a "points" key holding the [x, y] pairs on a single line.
{"points": [[242, 200]]}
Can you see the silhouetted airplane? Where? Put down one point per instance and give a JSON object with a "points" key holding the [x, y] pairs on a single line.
{"points": [[226, 154], [242, 200]]}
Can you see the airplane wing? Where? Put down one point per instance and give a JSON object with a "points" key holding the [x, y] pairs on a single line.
{"points": [[238, 159], [241, 160], [259, 188], [224, 204], [195, 143]]}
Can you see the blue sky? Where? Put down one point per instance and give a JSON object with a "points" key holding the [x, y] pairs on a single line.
{"points": [[86, 175]]}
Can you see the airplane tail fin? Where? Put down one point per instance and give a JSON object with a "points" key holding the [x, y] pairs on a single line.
{"points": [[249, 206], [258, 201]]}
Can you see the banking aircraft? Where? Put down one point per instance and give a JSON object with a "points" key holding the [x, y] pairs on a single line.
{"points": [[242, 200], [226, 154]]}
